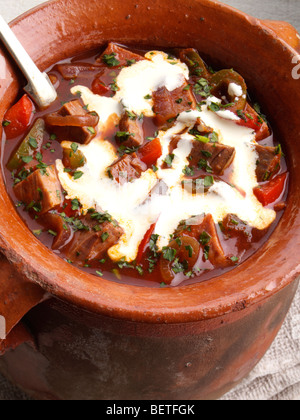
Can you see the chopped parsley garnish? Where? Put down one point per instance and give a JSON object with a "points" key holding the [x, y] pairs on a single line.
{"points": [[123, 135], [169, 160], [169, 253], [186, 88], [114, 87], [35, 206], [179, 267], [74, 147], [206, 252], [125, 150], [91, 130], [122, 263], [27, 159], [203, 164], [152, 243], [178, 241], [140, 270], [131, 115], [131, 62], [241, 114], [262, 117], [39, 157], [104, 236], [204, 238], [190, 250], [202, 88], [43, 168], [33, 143], [101, 217], [188, 171], [74, 222], [77, 174], [171, 120], [110, 60], [75, 204], [206, 153], [208, 181], [203, 139], [214, 137], [214, 107]]}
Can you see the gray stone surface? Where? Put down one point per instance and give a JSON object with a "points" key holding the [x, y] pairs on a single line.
{"points": [[287, 10]]}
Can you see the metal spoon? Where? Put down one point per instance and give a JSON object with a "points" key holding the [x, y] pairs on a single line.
{"points": [[39, 87]]}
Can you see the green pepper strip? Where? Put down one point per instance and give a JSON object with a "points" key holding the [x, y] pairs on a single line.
{"points": [[220, 82], [25, 148], [195, 63], [73, 160]]}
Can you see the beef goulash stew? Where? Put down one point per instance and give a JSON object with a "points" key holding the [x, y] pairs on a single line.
{"points": [[150, 168]]}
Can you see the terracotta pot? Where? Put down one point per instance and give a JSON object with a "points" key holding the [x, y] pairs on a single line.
{"points": [[94, 339]]}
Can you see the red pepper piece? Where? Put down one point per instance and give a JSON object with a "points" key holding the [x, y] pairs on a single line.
{"points": [[98, 87], [270, 192], [150, 152], [251, 119], [144, 243], [18, 118]]}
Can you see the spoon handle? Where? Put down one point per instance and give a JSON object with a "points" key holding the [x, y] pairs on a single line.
{"points": [[39, 87]]}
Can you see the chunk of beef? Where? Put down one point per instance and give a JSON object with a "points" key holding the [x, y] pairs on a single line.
{"points": [[70, 71], [167, 105], [233, 227], [268, 163], [60, 229], [255, 121], [134, 128], [203, 228], [72, 108], [75, 133], [41, 190], [126, 169], [217, 156], [91, 244], [117, 56]]}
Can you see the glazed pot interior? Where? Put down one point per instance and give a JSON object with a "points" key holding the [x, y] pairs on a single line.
{"points": [[225, 37]]}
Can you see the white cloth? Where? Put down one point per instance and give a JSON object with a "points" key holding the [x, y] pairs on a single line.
{"points": [[9, 9], [277, 376]]}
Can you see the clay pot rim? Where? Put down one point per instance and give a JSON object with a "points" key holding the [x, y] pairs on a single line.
{"points": [[200, 301]]}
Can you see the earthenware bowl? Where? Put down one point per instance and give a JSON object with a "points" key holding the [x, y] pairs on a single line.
{"points": [[86, 338]]}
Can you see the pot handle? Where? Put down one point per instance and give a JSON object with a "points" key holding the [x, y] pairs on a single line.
{"points": [[285, 31], [17, 296]]}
